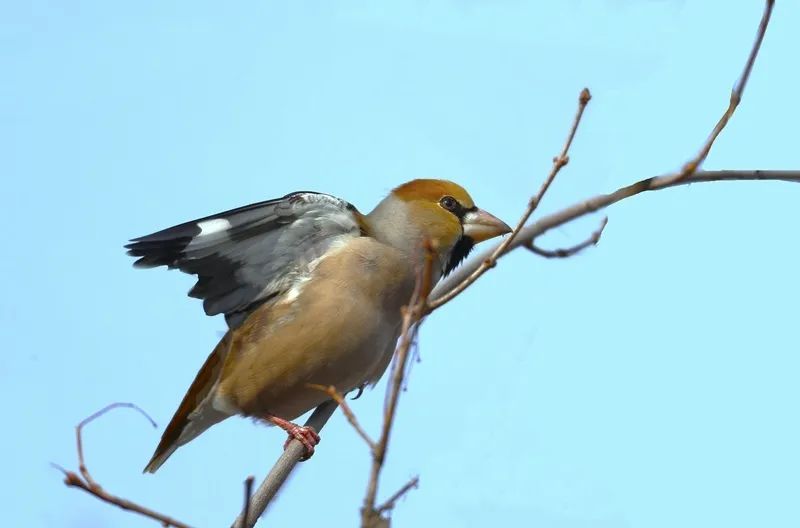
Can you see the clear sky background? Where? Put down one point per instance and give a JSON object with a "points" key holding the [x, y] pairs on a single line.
{"points": [[649, 382]]}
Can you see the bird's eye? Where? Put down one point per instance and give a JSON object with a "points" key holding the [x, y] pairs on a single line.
{"points": [[449, 203]]}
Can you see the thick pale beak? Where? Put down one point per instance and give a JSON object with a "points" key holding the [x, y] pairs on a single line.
{"points": [[480, 225]]}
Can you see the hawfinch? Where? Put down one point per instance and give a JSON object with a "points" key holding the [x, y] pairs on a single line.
{"points": [[312, 292]]}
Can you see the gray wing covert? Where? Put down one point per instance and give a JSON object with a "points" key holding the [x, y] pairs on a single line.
{"points": [[248, 255]]}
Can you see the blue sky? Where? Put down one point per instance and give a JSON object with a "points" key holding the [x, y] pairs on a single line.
{"points": [[650, 382]]}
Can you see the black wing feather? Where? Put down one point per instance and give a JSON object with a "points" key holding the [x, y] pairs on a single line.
{"points": [[246, 256]]}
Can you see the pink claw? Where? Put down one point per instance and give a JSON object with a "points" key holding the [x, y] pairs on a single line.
{"points": [[303, 434], [306, 436]]}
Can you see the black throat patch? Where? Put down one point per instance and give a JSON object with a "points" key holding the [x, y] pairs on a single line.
{"points": [[460, 251]]}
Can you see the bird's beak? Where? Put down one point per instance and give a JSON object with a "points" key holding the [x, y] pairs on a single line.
{"points": [[480, 225]]}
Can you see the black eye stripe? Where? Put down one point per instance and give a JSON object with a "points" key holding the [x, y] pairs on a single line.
{"points": [[454, 206], [462, 211]]}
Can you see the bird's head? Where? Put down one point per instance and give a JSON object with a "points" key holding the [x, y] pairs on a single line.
{"points": [[439, 211]]}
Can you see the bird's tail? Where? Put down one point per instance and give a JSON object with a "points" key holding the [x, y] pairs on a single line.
{"points": [[196, 412]]}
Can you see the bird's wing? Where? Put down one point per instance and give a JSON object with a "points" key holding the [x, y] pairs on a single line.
{"points": [[248, 255]]}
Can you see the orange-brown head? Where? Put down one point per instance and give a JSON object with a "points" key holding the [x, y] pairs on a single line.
{"points": [[437, 210]]}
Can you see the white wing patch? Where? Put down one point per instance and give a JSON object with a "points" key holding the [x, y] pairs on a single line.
{"points": [[294, 292], [297, 287], [253, 253], [215, 225]]}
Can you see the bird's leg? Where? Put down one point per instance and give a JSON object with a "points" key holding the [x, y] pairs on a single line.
{"points": [[304, 434]]}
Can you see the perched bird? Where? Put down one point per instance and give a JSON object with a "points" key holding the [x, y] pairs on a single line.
{"points": [[312, 292]]}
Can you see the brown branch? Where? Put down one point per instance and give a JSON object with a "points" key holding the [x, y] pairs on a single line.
{"points": [[282, 469], [593, 239], [85, 481], [491, 260], [602, 201], [390, 502], [736, 97], [413, 314], [470, 273], [92, 417], [336, 396], [248, 492]]}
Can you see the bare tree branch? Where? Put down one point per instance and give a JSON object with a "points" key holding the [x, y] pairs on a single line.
{"points": [[602, 201], [736, 97], [248, 492], [491, 260], [283, 467], [444, 295], [346, 410], [85, 481], [593, 239], [413, 314], [390, 502]]}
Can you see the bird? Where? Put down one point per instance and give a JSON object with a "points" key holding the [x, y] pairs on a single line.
{"points": [[312, 292]]}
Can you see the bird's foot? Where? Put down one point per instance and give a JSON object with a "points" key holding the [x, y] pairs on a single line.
{"points": [[304, 434]]}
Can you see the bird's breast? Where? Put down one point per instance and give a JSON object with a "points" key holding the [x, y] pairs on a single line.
{"points": [[337, 327]]}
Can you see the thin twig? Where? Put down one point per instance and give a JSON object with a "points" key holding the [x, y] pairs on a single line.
{"points": [[283, 468], [602, 201], [336, 396], [92, 417], [413, 314], [684, 174], [85, 481], [736, 97], [390, 502], [248, 492], [593, 239], [489, 262]]}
